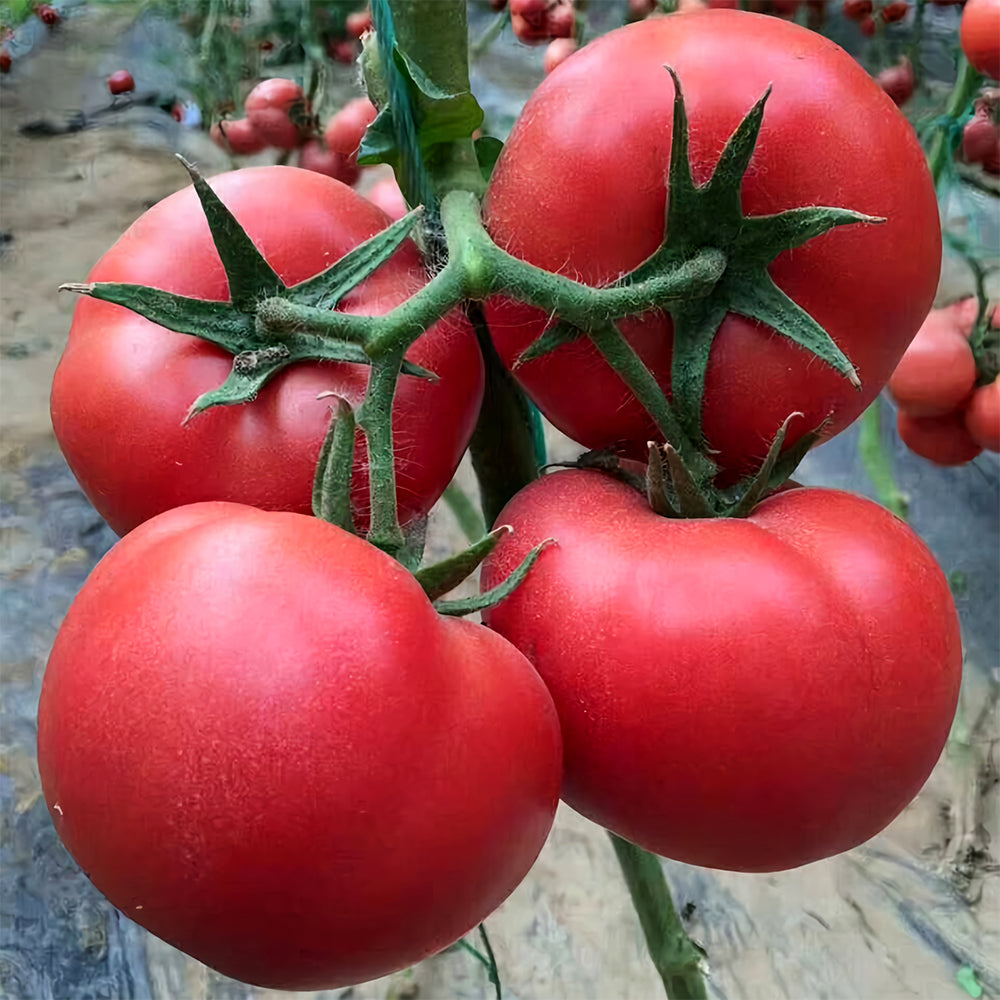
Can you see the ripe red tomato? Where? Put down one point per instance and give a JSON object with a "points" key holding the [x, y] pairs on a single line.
{"points": [[121, 82], [48, 15], [345, 129], [238, 137], [830, 136], [943, 440], [6, 61], [124, 385], [358, 23], [980, 36], [279, 112], [895, 11], [855, 10], [981, 134], [260, 741], [982, 416], [743, 694], [938, 371]]}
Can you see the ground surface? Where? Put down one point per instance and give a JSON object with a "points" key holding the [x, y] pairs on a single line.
{"points": [[897, 918]]}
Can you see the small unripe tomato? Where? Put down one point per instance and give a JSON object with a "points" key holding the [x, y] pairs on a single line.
{"points": [[121, 82]]}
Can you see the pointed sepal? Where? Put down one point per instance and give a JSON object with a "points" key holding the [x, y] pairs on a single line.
{"points": [[331, 497], [250, 276], [442, 577], [501, 592]]}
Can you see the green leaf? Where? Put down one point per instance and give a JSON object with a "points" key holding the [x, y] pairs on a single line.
{"points": [[488, 150], [379, 142], [442, 117], [250, 276], [326, 289]]}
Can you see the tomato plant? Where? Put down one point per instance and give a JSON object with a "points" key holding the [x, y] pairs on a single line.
{"points": [[746, 694], [303, 776], [830, 137], [124, 384]]}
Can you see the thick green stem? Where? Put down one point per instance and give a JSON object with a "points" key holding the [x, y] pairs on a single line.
{"points": [[968, 83], [375, 419], [436, 36], [675, 956]]}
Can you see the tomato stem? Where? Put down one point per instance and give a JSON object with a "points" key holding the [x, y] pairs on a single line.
{"points": [[947, 136], [677, 958]]}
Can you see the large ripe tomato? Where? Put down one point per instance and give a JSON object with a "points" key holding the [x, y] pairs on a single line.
{"points": [[743, 694], [579, 189], [124, 385], [980, 36], [261, 742]]}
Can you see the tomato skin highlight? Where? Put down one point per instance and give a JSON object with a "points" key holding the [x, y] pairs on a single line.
{"points": [[830, 136], [262, 743], [124, 385], [742, 694]]}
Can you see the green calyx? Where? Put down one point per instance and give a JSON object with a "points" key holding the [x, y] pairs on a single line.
{"points": [[707, 224], [265, 324]]}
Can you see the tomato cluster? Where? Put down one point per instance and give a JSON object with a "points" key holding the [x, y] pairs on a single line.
{"points": [[260, 737], [948, 413]]}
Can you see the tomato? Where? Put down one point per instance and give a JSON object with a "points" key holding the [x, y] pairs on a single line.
{"points": [[345, 130], [980, 36], [124, 385], [982, 415], [830, 136], [895, 11], [279, 112], [938, 371], [238, 137], [358, 23], [121, 82], [898, 81], [981, 134], [855, 10], [557, 52], [943, 440], [386, 194], [6, 61], [867, 26], [312, 156], [537, 21], [302, 776], [742, 694], [48, 15]]}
